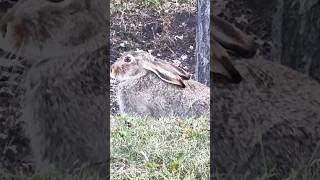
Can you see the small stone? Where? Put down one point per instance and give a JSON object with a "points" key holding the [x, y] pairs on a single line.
{"points": [[184, 57], [178, 37]]}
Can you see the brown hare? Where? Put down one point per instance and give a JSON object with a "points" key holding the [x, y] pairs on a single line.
{"points": [[152, 87], [64, 104]]}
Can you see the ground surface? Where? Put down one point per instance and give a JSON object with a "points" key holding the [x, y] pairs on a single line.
{"points": [[144, 148]]}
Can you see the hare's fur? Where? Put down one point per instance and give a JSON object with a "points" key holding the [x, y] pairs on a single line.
{"points": [[150, 96], [275, 109]]}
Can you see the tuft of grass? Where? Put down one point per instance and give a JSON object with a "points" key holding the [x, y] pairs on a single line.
{"points": [[167, 148]]}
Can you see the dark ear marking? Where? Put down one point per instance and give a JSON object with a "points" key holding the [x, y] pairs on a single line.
{"points": [[234, 74], [181, 72], [221, 63], [168, 79]]}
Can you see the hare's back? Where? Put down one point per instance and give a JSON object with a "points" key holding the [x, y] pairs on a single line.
{"points": [[271, 91], [150, 95], [278, 79]]}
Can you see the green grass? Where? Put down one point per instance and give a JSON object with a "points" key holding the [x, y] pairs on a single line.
{"points": [[168, 149], [145, 148]]}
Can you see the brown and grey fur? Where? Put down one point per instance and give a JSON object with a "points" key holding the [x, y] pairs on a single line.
{"points": [[271, 118], [145, 93], [64, 104]]}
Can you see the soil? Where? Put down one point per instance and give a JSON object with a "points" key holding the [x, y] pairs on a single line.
{"points": [[168, 34]]}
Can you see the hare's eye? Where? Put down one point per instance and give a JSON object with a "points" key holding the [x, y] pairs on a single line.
{"points": [[55, 1], [127, 59]]}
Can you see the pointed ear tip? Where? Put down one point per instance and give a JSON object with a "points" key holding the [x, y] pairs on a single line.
{"points": [[186, 77], [181, 84]]}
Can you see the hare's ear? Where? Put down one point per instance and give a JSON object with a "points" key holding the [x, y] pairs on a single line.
{"points": [[167, 72], [221, 63], [181, 72], [232, 38]]}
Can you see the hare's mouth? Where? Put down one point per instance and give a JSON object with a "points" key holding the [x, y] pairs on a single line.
{"points": [[113, 73]]}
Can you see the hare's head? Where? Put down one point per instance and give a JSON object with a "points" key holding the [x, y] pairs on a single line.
{"points": [[135, 64], [225, 39], [38, 29]]}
